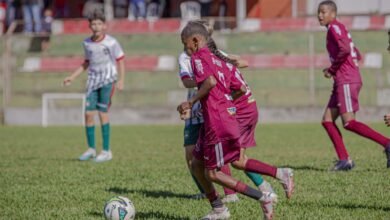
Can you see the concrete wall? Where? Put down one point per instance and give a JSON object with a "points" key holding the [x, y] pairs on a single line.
{"points": [[353, 7], [33, 116]]}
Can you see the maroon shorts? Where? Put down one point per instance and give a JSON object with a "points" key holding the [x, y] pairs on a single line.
{"points": [[345, 97], [216, 155], [247, 122]]}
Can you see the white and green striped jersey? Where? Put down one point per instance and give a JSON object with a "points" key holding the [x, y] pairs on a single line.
{"points": [[102, 57], [185, 71]]}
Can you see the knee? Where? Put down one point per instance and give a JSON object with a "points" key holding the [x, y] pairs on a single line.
{"points": [[89, 118], [211, 175], [240, 164]]}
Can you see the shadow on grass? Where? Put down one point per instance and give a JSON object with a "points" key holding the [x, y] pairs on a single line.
{"points": [[307, 168], [347, 206], [96, 213], [149, 193], [158, 215]]}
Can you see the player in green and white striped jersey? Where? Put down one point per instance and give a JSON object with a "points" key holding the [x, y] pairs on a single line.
{"points": [[102, 54]]}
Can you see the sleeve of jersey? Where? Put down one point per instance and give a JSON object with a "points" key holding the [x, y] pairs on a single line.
{"points": [[201, 69], [184, 69], [343, 44], [118, 52], [86, 58]]}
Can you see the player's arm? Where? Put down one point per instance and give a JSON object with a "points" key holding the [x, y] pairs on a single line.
{"points": [[344, 46], [208, 84], [239, 62], [189, 83], [121, 68], [68, 80], [388, 46], [387, 119], [238, 93]]}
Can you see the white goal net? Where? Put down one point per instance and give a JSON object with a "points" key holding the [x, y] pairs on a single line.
{"points": [[63, 109]]}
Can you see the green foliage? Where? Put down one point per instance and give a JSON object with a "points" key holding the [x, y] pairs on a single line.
{"points": [[42, 179]]}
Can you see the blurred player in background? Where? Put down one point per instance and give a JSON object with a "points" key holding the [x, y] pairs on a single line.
{"points": [[102, 53], [387, 116], [344, 100]]}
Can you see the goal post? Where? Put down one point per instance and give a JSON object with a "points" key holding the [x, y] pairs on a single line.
{"points": [[47, 97]]}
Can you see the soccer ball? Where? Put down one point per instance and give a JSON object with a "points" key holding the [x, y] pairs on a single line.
{"points": [[119, 208]]}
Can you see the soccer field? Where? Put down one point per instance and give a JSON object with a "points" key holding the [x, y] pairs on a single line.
{"points": [[40, 177]]}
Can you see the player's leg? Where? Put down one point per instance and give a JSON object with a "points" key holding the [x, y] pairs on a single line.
{"points": [[257, 179], [230, 194], [344, 162], [216, 156], [332, 112], [191, 135], [267, 199], [219, 210], [104, 102], [90, 112], [189, 159], [284, 175], [247, 125], [350, 95]]}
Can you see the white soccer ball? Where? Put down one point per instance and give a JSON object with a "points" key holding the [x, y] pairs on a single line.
{"points": [[119, 208]]}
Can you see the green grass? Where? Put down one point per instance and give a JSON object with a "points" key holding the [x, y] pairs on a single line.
{"points": [[41, 178]]}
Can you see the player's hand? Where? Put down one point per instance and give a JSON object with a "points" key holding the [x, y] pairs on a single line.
{"points": [[120, 85], [387, 119], [327, 74], [184, 110], [183, 106], [67, 81]]}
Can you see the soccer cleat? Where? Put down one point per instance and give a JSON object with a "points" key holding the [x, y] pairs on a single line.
{"points": [[267, 204], [286, 178], [344, 165], [198, 196], [90, 153], [266, 187], [104, 156], [230, 198], [387, 152], [217, 214]]}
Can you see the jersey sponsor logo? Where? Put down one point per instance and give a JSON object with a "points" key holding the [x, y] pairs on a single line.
{"points": [[337, 29], [199, 66], [232, 110]]}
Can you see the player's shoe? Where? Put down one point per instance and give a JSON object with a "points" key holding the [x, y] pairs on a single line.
{"points": [[104, 156], [286, 178], [230, 198], [218, 213], [343, 165], [198, 196], [387, 152], [268, 201], [87, 155], [266, 187]]}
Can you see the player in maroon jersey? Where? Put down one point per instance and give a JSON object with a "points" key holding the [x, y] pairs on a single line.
{"points": [[344, 100], [219, 139], [247, 117]]}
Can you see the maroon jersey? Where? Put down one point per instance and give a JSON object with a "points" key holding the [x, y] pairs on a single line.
{"points": [[343, 54], [218, 110], [247, 99]]}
